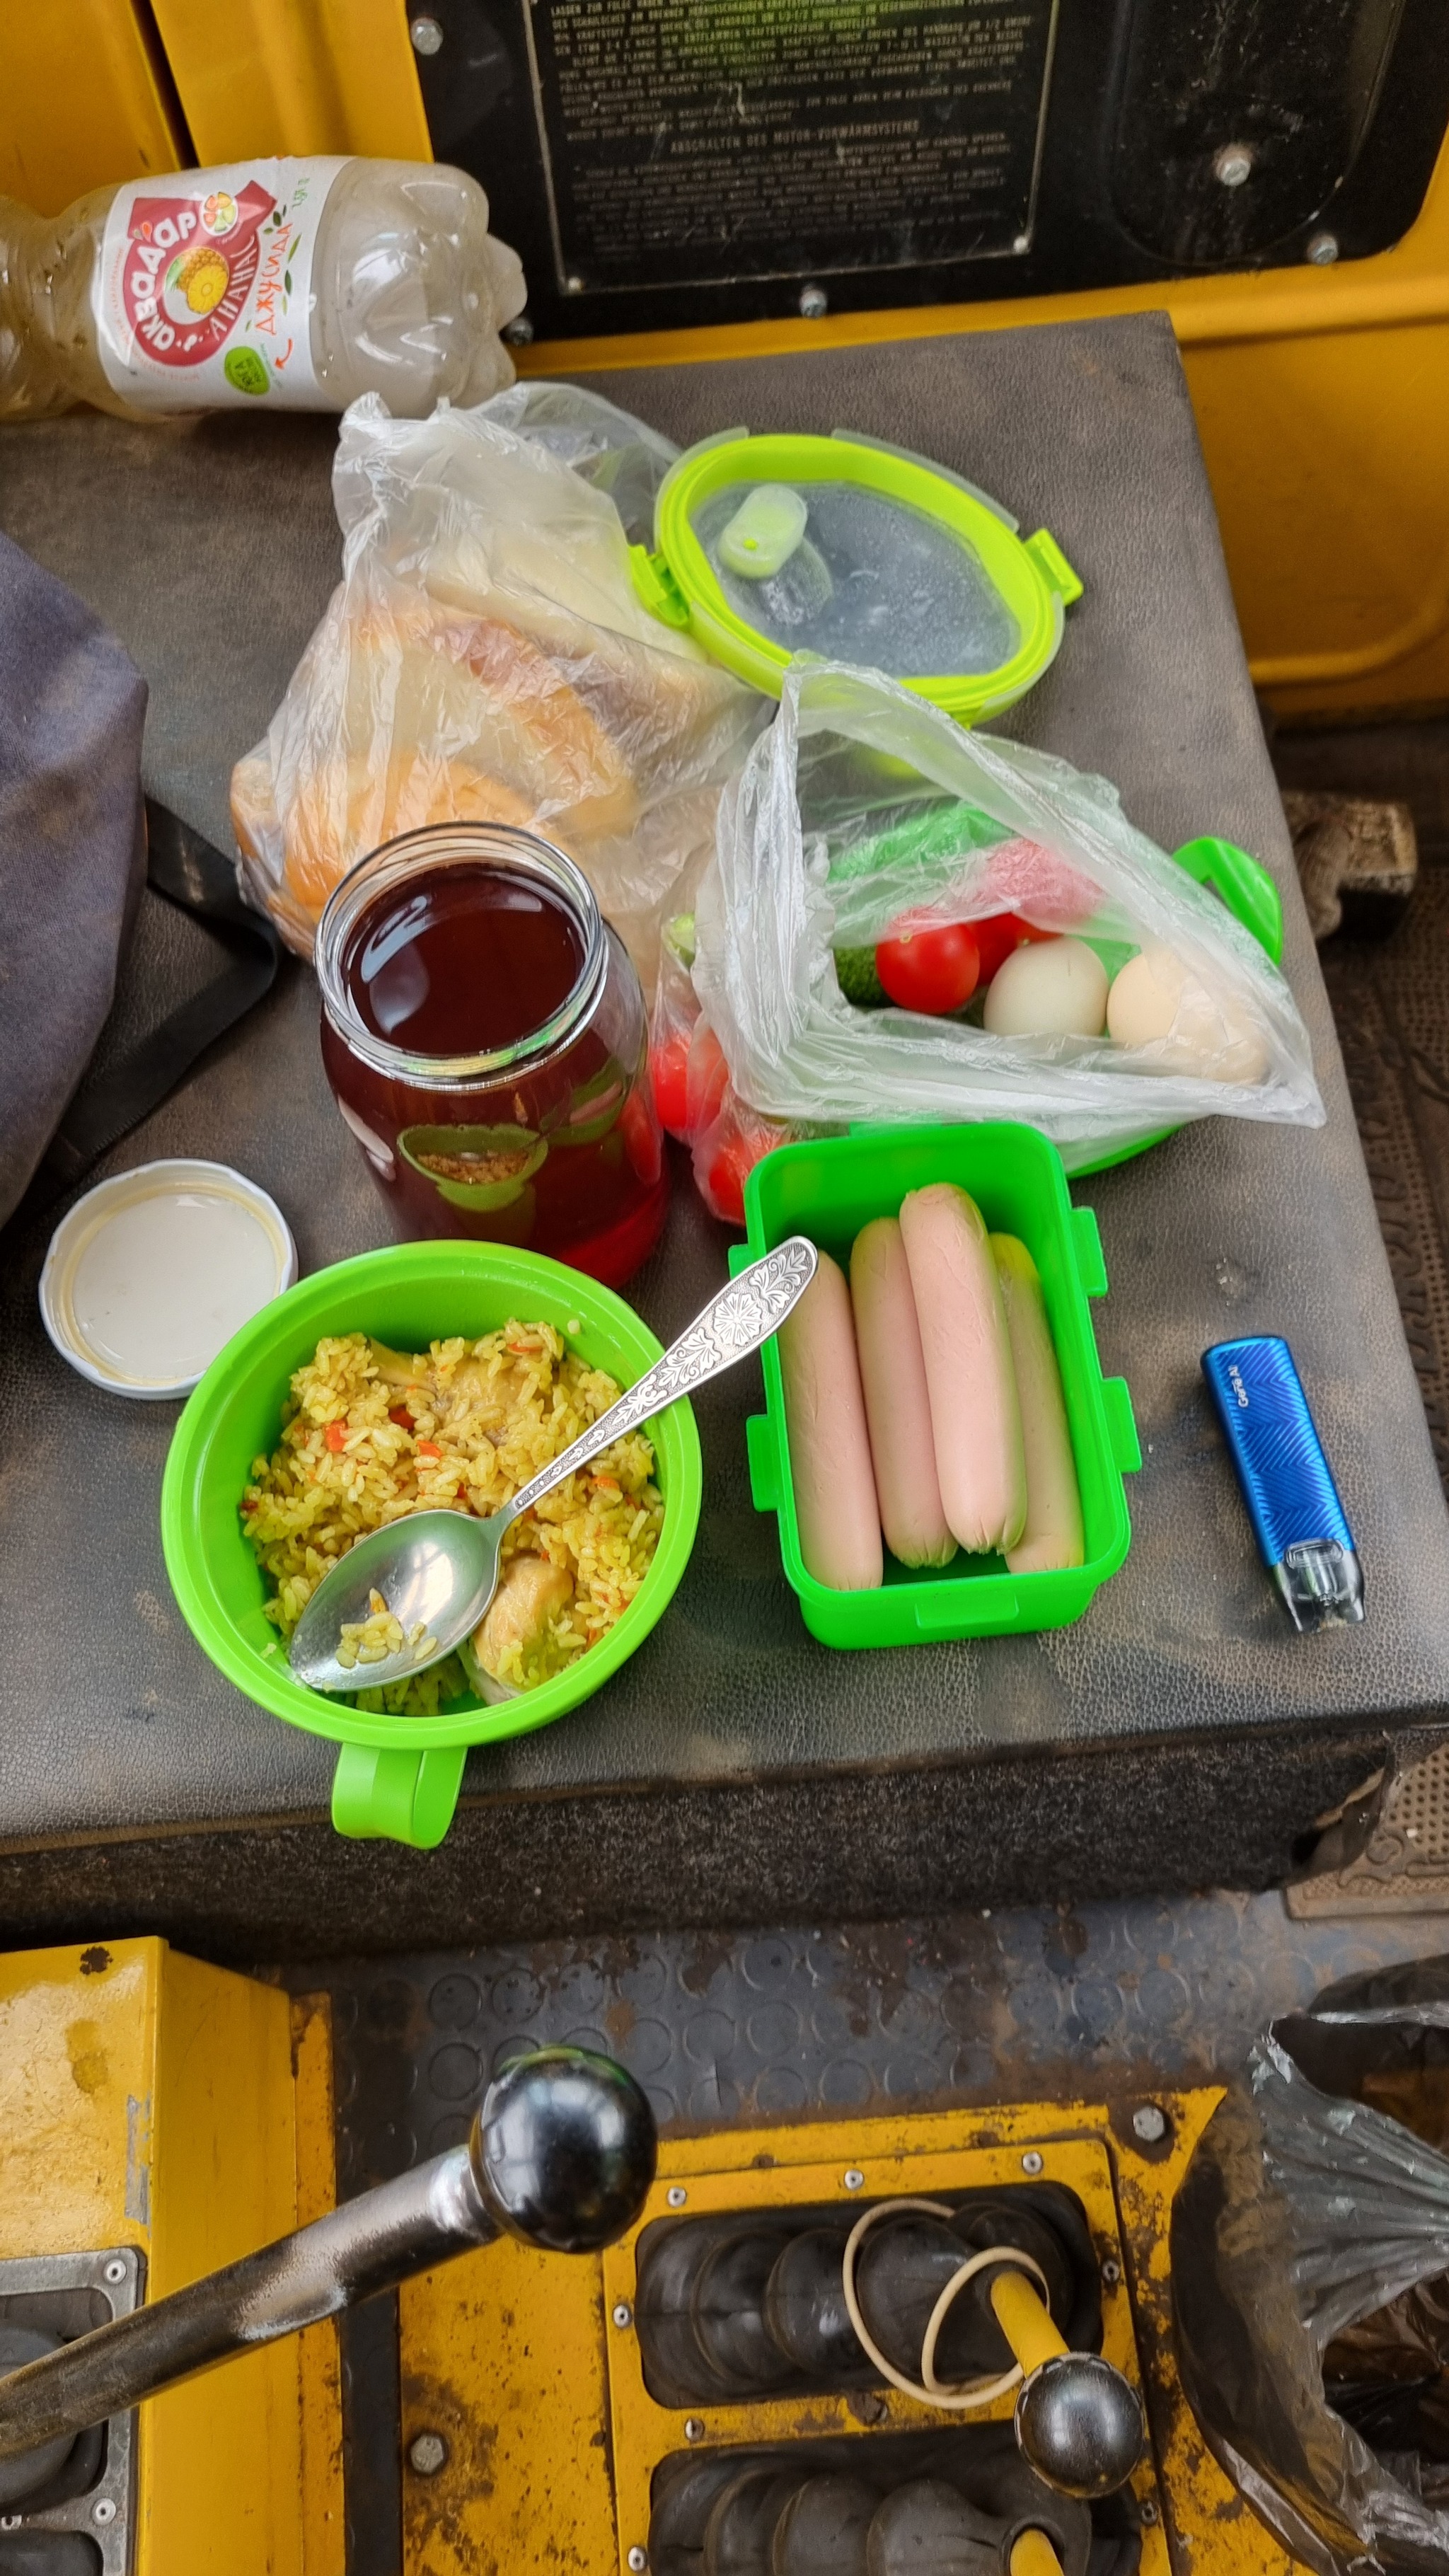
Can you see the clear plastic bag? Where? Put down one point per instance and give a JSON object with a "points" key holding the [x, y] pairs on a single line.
{"points": [[1303, 2234], [486, 658], [864, 811]]}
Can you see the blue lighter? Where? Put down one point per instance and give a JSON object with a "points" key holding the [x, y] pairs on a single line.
{"points": [[1292, 1500]]}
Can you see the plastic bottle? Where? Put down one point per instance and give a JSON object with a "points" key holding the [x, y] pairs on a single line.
{"points": [[295, 284]]}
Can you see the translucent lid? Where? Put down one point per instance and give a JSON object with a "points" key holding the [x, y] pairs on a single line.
{"points": [[855, 552], [868, 579]]}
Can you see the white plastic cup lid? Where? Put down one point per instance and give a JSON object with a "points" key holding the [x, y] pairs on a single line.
{"points": [[153, 1271]]}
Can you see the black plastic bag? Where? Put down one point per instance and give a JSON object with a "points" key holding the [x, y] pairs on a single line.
{"points": [[1305, 2212]]}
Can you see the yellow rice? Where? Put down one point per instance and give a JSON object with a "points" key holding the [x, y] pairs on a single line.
{"points": [[370, 1435]]}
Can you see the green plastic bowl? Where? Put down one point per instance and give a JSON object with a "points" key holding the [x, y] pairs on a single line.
{"points": [[830, 1189], [396, 1776]]}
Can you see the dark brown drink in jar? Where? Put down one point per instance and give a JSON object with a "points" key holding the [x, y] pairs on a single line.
{"points": [[484, 1034]]}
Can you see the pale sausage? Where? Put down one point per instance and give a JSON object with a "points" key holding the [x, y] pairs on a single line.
{"points": [[975, 1417], [1052, 1537], [830, 1469], [897, 1404]]}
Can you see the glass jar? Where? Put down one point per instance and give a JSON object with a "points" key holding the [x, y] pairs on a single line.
{"points": [[485, 1037]]}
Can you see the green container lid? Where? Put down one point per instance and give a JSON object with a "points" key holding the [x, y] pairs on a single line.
{"points": [[828, 1190], [859, 552], [397, 1777]]}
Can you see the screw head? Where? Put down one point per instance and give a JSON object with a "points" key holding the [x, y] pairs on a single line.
{"points": [[427, 2453], [1111, 2272], [1149, 2511], [572, 286], [814, 303], [1031, 2162], [1323, 249], [427, 36], [1233, 164], [1149, 2123], [694, 2428], [104, 2510], [676, 2195], [11, 2521], [623, 2315], [115, 2271], [854, 2179], [1021, 243], [518, 332], [637, 2560]]}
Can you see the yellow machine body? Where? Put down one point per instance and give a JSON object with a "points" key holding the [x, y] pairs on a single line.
{"points": [[147, 2100], [150, 2101], [553, 2438]]}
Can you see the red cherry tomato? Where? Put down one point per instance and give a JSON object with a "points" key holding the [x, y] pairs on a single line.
{"points": [[998, 938], [706, 1078], [669, 1073], [932, 970], [729, 1167]]}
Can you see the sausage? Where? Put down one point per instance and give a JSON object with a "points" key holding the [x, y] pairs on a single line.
{"points": [[975, 1416], [897, 1404], [835, 1504], [1052, 1537]]}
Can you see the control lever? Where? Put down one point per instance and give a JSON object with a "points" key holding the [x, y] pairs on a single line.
{"points": [[1033, 2555], [1078, 2421], [561, 2155]]}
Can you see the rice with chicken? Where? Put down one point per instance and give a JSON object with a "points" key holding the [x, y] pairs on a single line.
{"points": [[370, 1434]]}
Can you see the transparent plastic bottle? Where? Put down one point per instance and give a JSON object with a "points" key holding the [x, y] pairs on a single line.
{"points": [[383, 275]]}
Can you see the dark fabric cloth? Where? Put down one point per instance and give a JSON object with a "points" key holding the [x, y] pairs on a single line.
{"points": [[72, 848]]}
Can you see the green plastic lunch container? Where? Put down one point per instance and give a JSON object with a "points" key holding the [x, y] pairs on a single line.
{"points": [[397, 1777], [828, 1190], [856, 551]]}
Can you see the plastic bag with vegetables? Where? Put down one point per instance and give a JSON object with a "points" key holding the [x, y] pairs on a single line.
{"points": [[486, 659], [905, 921]]}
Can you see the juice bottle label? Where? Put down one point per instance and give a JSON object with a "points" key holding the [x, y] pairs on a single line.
{"points": [[204, 286]]}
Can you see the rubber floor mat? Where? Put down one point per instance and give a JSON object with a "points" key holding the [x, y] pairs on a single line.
{"points": [[1391, 1005]]}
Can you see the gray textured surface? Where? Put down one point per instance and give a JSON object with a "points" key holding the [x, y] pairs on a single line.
{"points": [[1107, 2003], [211, 549]]}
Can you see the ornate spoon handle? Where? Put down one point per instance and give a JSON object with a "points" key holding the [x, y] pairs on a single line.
{"points": [[733, 1324]]}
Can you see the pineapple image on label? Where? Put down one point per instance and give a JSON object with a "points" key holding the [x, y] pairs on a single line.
{"points": [[201, 277]]}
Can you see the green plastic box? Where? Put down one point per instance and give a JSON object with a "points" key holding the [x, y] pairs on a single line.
{"points": [[828, 1190]]}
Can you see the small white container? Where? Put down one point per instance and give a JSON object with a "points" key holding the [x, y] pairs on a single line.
{"points": [[153, 1271]]}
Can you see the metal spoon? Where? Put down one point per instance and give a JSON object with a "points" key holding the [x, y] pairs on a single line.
{"points": [[440, 1568]]}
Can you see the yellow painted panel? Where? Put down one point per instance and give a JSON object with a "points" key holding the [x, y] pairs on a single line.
{"points": [[264, 76], [324, 2527], [81, 101], [77, 2067], [146, 2099], [504, 2352], [223, 2181]]}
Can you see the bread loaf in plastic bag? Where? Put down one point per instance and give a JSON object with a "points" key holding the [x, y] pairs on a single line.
{"points": [[485, 658], [864, 808]]}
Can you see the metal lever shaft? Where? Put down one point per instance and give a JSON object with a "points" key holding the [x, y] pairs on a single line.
{"points": [[562, 2155]]}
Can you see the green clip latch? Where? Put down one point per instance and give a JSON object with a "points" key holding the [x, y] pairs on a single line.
{"points": [[1053, 566], [656, 586]]}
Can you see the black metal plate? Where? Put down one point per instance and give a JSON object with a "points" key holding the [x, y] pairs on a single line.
{"points": [[670, 162]]}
